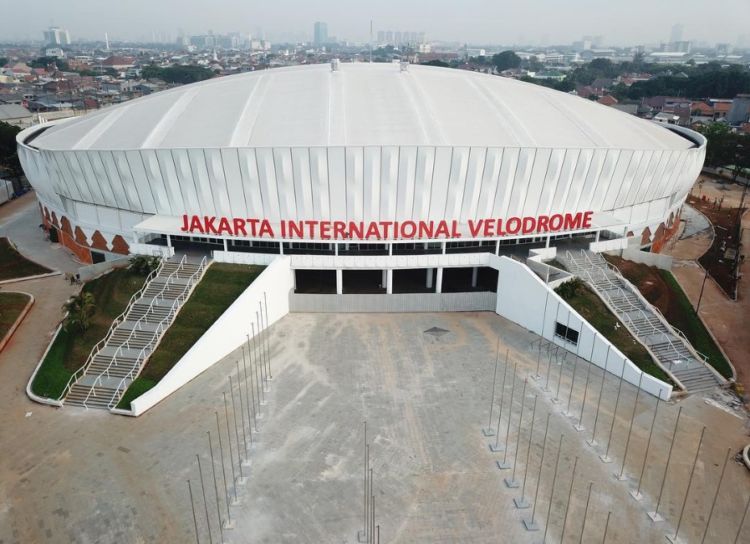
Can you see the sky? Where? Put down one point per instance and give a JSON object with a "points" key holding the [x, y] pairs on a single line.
{"points": [[537, 22]]}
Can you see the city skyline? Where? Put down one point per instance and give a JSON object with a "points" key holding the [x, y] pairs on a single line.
{"points": [[478, 22]]}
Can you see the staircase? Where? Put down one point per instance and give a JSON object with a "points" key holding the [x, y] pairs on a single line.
{"points": [[644, 321], [118, 358]]}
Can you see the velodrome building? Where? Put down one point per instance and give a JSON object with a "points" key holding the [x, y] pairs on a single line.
{"points": [[360, 168]]}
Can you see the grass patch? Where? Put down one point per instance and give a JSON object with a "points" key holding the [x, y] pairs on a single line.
{"points": [[220, 286], [590, 306], [692, 327], [14, 265], [11, 306], [69, 351], [139, 386]]}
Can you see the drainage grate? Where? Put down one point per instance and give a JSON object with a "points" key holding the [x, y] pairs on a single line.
{"points": [[436, 332]]}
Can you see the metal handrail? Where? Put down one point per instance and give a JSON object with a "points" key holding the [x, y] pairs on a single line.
{"points": [[98, 346], [160, 328]]}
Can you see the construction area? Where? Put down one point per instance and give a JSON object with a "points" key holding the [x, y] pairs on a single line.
{"points": [[470, 418]]}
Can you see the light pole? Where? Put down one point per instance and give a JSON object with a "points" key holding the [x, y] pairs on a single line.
{"points": [[700, 296]]}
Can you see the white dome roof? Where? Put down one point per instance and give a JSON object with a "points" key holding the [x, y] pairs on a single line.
{"points": [[358, 105]]}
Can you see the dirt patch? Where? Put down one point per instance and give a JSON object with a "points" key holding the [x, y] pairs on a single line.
{"points": [[722, 258]]}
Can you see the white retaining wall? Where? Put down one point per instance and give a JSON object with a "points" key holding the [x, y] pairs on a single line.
{"points": [[645, 257], [524, 299], [227, 333]]}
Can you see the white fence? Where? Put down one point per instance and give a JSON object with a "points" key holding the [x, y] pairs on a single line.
{"points": [[404, 302], [152, 250], [238, 257]]}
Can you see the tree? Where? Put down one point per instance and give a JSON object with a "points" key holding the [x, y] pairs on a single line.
{"points": [[506, 60], [80, 309], [3, 61], [140, 264], [10, 166], [437, 62], [177, 74]]}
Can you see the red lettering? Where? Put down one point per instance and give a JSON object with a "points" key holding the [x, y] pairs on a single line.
{"points": [[325, 226], [412, 229], [311, 228], [208, 224], [253, 226], [426, 229], [587, 219], [372, 230], [195, 224], [185, 226], [442, 229], [385, 225], [489, 228], [572, 222], [500, 231], [455, 233], [339, 230], [555, 222], [475, 227], [239, 227], [296, 228], [265, 229], [513, 225], [356, 229], [529, 223], [542, 223]]}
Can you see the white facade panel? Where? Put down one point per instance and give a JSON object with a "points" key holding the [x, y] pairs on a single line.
{"points": [[282, 158], [354, 182], [217, 181], [371, 184], [407, 164], [423, 181], [473, 187]]}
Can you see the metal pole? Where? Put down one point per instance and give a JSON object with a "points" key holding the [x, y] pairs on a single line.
{"points": [[261, 397], [549, 366], [364, 483], [606, 528], [700, 296], [223, 468], [488, 430], [572, 383], [580, 427], [262, 355], [742, 521], [605, 458], [655, 514], [229, 441], [205, 503], [559, 377], [532, 526], [593, 442], [247, 399], [621, 476], [586, 512], [372, 507], [496, 447], [195, 519], [252, 385], [268, 340], [552, 491], [518, 434], [637, 493], [216, 486], [537, 376], [513, 483], [522, 502], [690, 483], [567, 505], [236, 431], [504, 465], [716, 495], [242, 413]]}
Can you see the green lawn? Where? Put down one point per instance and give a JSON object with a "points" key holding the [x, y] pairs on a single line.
{"points": [[14, 265], [692, 327], [70, 349], [11, 306], [220, 286], [590, 306]]}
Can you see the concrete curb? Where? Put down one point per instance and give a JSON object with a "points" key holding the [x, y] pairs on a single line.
{"points": [[29, 392], [29, 278], [18, 320]]}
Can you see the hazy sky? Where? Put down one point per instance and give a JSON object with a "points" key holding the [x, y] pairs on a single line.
{"points": [[621, 22]]}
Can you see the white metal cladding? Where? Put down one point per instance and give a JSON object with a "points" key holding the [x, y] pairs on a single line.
{"points": [[371, 183]]}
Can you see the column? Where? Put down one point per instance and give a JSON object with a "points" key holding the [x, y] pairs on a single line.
{"points": [[225, 244], [389, 282], [337, 249], [439, 280], [390, 249], [339, 281], [430, 273], [281, 248], [384, 278], [169, 241], [548, 238], [474, 274], [497, 247], [442, 247], [294, 280], [598, 233]]}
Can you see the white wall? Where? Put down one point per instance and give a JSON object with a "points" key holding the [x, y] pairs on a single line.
{"points": [[227, 333], [524, 299]]}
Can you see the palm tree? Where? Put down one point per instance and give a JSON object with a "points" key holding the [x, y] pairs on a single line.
{"points": [[80, 308]]}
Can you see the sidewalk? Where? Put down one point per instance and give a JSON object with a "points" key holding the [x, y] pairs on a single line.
{"points": [[19, 221], [727, 320]]}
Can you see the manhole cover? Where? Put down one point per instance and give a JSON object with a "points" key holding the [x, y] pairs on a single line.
{"points": [[436, 331]]}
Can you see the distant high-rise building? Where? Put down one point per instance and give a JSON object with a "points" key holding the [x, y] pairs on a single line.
{"points": [[56, 36], [320, 33], [676, 34], [381, 36]]}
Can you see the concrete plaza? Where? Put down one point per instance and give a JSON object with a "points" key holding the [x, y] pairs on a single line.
{"points": [[75, 476]]}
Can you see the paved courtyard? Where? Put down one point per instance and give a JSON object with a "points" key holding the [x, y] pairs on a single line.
{"points": [[75, 476]]}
